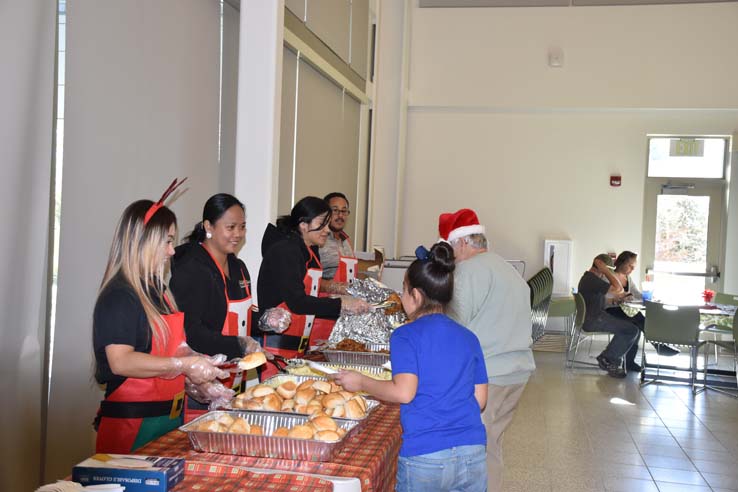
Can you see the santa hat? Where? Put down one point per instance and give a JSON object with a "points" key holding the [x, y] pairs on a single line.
{"points": [[459, 224]]}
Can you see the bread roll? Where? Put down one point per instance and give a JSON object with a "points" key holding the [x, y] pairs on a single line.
{"points": [[240, 426], [254, 404], [323, 423], [361, 401], [256, 430], [272, 403], [262, 390], [303, 396], [225, 419], [308, 383], [287, 389], [212, 426], [281, 432], [347, 395], [335, 387], [300, 408], [339, 412], [333, 400], [327, 435], [341, 431], [353, 410], [288, 406], [301, 432], [252, 360], [323, 386]]}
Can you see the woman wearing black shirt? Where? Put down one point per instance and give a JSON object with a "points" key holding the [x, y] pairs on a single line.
{"points": [[138, 335], [290, 276]]}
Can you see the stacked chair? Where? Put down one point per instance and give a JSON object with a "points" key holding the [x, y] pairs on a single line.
{"points": [[541, 287]]}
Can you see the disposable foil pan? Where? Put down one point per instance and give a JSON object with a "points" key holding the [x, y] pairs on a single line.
{"points": [[265, 446], [361, 358]]}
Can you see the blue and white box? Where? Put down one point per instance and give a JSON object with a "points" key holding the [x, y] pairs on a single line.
{"points": [[137, 473]]}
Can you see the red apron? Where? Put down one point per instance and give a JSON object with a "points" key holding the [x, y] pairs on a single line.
{"points": [[301, 324], [123, 435], [346, 272], [237, 323]]}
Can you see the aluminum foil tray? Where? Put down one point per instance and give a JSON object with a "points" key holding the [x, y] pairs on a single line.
{"points": [[265, 446], [377, 372], [361, 358]]}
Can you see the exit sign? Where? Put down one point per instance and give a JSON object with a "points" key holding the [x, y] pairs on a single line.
{"points": [[686, 147]]}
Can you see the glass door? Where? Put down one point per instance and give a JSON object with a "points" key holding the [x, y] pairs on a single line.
{"points": [[683, 226]]}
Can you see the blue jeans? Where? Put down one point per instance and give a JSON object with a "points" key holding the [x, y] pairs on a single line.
{"points": [[460, 469]]}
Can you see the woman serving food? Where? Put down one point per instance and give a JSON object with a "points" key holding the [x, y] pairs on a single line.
{"points": [[138, 334]]}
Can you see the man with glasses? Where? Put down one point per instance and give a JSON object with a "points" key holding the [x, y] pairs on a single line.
{"points": [[338, 260]]}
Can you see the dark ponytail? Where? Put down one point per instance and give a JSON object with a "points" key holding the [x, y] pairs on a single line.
{"points": [[304, 211], [214, 208], [433, 277]]}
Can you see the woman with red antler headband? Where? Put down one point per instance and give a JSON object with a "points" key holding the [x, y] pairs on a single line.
{"points": [[138, 334]]}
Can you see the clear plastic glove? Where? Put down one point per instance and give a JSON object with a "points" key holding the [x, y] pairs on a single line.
{"points": [[352, 305], [197, 368], [333, 287], [275, 319], [214, 393], [249, 345]]}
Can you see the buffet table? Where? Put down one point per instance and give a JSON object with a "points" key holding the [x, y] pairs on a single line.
{"points": [[369, 455]]}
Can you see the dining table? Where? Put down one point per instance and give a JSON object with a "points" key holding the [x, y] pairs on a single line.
{"points": [[369, 456], [715, 319]]}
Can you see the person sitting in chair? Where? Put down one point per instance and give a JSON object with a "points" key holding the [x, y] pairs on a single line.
{"points": [[594, 285]]}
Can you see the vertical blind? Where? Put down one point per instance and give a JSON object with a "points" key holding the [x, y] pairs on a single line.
{"points": [[26, 98]]}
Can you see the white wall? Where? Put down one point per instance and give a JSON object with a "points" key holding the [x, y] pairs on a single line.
{"points": [[530, 147], [141, 109]]}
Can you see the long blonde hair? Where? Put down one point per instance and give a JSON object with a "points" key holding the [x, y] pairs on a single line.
{"points": [[134, 254]]}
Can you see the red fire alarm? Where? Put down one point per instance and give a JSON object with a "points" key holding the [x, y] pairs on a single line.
{"points": [[615, 180]]}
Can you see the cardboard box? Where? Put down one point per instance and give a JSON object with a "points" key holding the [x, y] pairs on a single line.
{"points": [[137, 473]]}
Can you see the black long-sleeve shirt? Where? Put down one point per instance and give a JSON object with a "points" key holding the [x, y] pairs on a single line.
{"points": [[199, 291], [283, 268]]}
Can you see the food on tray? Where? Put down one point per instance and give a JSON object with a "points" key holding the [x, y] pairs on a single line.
{"points": [[319, 426], [307, 371], [252, 360], [395, 304], [350, 345], [312, 397]]}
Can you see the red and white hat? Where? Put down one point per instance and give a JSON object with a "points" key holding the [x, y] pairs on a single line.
{"points": [[459, 224]]}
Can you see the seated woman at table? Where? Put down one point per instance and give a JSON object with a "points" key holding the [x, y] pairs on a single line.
{"points": [[625, 264], [439, 377]]}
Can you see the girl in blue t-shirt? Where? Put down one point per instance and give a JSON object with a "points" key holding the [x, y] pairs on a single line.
{"points": [[439, 377]]}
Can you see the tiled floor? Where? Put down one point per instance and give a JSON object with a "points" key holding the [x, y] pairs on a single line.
{"points": [[570, 435]]}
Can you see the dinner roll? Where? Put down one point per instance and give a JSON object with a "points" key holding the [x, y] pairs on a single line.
{"points": [[272, 403], [301, 432], [262, 390], [338, 411], [281, 432], [341, 431], [252, 360], [256, 430], [225, 419], [323, 386], [303, 396], [361, 401], [287, 389], [240, 426], [353, 410], [254, 404], [333, 400], [288, 406], [322, 423], [347, 395], [327, 435], [212, 426], [308, 383]]}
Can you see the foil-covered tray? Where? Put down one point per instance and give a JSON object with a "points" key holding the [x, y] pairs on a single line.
{"points": [[360, 358], [266, 446]]}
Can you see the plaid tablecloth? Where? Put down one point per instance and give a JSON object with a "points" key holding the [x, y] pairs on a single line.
{"points": [[369, 455]]}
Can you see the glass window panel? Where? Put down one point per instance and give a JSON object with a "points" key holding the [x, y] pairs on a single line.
{"points": [[681, 246], [674, 157]]}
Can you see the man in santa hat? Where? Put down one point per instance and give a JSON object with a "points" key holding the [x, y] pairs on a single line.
{"points": [[492, 300]]}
